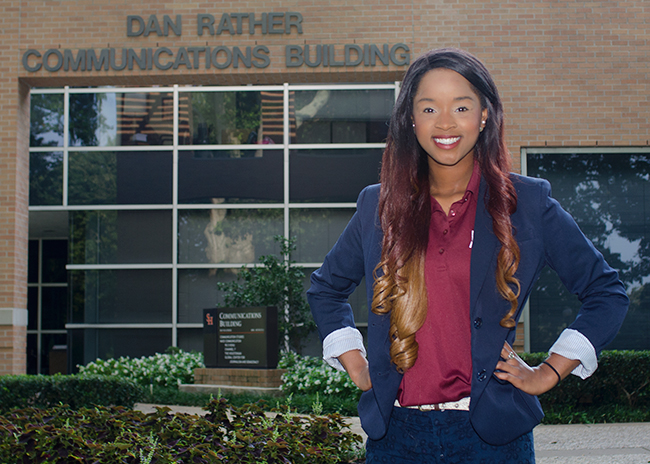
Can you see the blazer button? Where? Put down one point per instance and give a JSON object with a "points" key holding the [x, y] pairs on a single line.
{"points": [[478, 323], [481, 375]]}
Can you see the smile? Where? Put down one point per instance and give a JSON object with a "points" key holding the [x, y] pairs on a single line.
{"points": [[446, 141]]}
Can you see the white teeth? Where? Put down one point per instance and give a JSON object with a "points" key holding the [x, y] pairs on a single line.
{"points": [[447, 141]]}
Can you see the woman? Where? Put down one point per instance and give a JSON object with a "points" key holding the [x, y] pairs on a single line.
{"points": [[451, 244]]}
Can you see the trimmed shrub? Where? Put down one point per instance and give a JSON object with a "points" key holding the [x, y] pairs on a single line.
{"points": [[40, 391], [622, 378]]}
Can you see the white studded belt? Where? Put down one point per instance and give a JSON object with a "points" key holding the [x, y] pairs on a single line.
{"points": [[460, 405]]}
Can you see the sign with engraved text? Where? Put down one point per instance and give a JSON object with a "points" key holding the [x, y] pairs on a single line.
{"points": [[241, 337]]}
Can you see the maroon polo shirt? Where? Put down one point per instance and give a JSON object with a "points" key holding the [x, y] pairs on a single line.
{"points": [[443, 369]]}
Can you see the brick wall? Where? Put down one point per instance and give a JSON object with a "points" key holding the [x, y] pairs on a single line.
{"points": [[14, 191], [570, 73], [264, 378], [13, 349]]}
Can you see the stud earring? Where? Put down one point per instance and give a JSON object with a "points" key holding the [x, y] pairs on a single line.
{"points": [[413, 124]]}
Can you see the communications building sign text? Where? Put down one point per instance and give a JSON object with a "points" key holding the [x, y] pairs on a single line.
{"points": [[212, 27]]}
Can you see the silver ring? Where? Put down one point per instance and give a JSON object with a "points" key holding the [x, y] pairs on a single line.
{"points": [[511, 355]]}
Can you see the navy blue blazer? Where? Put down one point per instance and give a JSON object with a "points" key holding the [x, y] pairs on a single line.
{"points": [[546, 234]]}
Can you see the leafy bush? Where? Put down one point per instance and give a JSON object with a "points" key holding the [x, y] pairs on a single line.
{"points": [[40, 391], [309, 375], [226, 435], [168, 369], [275, 283]]}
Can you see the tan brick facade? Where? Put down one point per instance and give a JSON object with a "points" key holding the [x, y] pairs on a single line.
{"points": [[265, 378], [13, 347], [570, 73]]}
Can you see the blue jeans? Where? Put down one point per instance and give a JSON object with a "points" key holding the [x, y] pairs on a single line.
{"points": [[446, 437]]}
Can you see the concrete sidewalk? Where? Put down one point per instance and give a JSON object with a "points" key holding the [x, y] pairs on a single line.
{"points": [[593, 444], [554, 444]]}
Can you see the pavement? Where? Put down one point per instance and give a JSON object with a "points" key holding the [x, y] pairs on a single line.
{"points": [[627, 443]]}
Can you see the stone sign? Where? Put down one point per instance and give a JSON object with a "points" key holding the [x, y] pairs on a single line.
{"points": [[241, 337]]}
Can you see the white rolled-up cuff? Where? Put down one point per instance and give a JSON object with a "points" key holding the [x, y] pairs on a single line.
{"points": [[341, 341], [573, 345]]}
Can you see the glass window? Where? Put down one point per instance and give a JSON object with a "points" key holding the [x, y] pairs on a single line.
{"points": [[32, 266], [32, 308], [54, 308], [54, 354], [55, 257], [122, 178], [197, 290], [111, 237], [32, 354], [341, 116], [230, 118], [331, 175], [122, 152], [46, 178], [609, 197], [316, 230], [227, 235], [234, 176], [46, 120], [87, 345], [121, 296], [121, 119], [190, 339]]}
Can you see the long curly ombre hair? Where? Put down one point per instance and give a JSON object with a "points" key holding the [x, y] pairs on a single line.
{"points": [[405, 204]]}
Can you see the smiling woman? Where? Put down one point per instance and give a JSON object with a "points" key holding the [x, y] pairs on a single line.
{"points": [[453, 243]]}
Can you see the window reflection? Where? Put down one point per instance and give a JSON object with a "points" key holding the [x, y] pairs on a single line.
{"points": [[236, 176], [232, 118], [121, 296], [340, 116], [316, 231], [331, 175], [227, 235], [121, 119], [111, 237], [46, 178], [46, 120], [87, 345], [609, 197], [108, 178], [197, 290]]}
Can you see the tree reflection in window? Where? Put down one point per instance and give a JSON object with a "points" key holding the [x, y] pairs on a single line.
{"points": [[609, 197], [233, 118], [46, 120]]}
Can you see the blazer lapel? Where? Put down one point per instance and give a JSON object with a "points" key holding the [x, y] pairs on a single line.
{"points": [[484, 249]]}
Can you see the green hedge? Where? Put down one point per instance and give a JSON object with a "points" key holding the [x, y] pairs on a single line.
{"points": [[40, 391], [622, 379]]}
